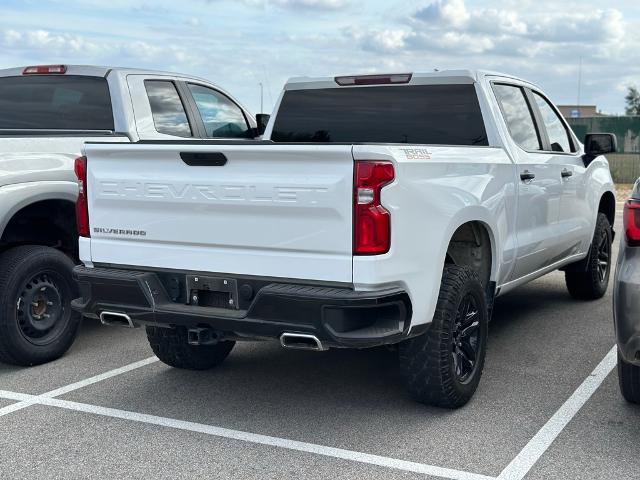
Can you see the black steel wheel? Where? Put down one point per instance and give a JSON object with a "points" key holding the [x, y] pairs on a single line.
{"points": [[37, 324], [40, 310]]}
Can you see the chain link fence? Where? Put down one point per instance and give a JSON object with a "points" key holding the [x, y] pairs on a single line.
{"points": [[625, 165]]}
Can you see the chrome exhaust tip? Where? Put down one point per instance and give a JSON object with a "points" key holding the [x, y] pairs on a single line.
{"points": [[301, 341], [116, 319]]}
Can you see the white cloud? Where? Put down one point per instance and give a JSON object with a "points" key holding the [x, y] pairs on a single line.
{"points": [[449, 25], [595, 26], [498, 21], [312, 4], [44, 43], [541, 40], [387, 40], [234, 42], [294, 4], [45, 40], [452, 12]]}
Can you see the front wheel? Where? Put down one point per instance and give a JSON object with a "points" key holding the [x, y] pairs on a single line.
{"points": [[591, 284], [37, 324], [443, 366]]}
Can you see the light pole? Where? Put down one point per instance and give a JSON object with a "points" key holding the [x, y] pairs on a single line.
{"points": [[261, 97]]}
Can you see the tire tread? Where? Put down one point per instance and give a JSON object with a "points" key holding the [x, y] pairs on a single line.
{"points": [[424, 360], [11, 262], [586, 285], [629, 380], [170, 345]]}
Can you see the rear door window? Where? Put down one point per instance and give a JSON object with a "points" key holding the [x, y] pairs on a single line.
{"points": [[55, 102], [518, 116], [221, 117], [169, 116], [416, 114]]}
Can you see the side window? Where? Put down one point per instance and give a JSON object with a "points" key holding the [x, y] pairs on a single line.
{"points": [[169, 116], [518, 116], [221, 117], [558, 135]]}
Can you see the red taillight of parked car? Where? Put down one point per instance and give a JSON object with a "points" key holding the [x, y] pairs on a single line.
{"points": [[632, 222], [82, 207], [371, 221]]}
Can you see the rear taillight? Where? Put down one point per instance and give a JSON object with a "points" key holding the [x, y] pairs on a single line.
{"points": [[371, 221], [45, 70], [632, 222], [82, 207]]}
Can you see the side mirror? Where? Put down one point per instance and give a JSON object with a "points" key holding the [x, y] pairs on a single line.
{"points": [[596, 144], [262, 119]]}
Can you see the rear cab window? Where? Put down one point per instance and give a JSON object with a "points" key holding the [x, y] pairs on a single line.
{"points": [[518, 116], [415, 114], [168, 112], [55, 102]]}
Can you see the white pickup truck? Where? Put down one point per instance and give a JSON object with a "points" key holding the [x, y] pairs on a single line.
{"points": [[47, 112], [378, 210]]}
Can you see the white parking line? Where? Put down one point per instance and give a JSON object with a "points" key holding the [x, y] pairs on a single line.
{"points": [[340, 453], [539, 444], [75, 386], [516, 470]]}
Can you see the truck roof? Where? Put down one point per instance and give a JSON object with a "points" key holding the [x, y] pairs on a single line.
{"points": [[434, 77], [98, 71]]}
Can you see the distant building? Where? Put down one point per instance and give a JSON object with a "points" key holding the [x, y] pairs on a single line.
{"points": [[575, 111]]}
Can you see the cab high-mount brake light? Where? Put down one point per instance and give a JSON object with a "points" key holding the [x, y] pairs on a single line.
{"points": [[45, 70], [395, 78]]}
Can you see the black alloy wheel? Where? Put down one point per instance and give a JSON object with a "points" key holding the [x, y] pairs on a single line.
{"points": [[465, 339], [604, 255]]}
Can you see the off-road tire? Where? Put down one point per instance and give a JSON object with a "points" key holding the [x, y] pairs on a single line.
{"points": [[171, 346], [426, 362], [24, 271], [588, 284], [629, 379]]}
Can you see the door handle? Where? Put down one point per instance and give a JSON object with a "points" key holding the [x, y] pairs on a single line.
{"points": [[204, 159], [527, 175], [566, 173]]}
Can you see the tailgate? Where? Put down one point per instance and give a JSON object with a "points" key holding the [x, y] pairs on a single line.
{"points": [[265, 210]]}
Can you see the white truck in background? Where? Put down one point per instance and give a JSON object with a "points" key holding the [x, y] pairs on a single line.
{"points": [[47, 112], [378, 210]]}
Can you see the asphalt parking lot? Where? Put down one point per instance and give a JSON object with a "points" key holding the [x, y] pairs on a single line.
{"points": [[548, 406]]}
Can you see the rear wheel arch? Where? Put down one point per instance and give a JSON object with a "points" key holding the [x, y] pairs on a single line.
{"points": [[472, 244], [42, 221], [607, 205]]}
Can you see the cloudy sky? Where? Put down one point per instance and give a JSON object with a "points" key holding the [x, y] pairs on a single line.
{"points": [[240, 43]]}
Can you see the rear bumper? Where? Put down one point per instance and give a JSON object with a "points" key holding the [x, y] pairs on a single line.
{"points": [[339, 317]]}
